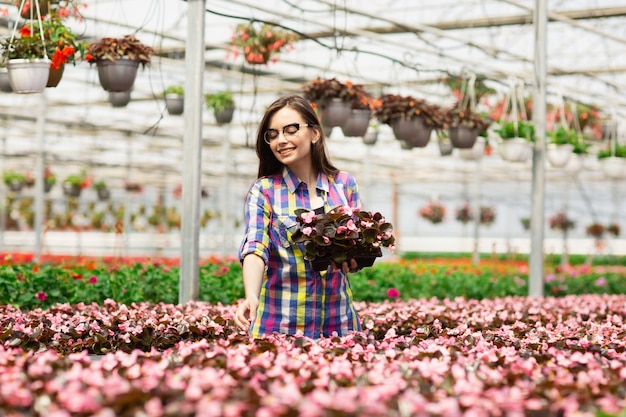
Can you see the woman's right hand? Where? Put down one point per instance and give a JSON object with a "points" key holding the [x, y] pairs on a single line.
{"points": [[246, 313]]}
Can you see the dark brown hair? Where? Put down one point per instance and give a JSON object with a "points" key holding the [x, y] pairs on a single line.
{"points": [[268, 164]]}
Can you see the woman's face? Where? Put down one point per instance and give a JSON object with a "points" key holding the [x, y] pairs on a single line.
{"points": [[290, 138]]}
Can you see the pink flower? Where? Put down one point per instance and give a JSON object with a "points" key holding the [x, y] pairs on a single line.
{"points": [[308, 217], [307, 230], [41, 296], [93, 279], [393, 293], [601, 282]]}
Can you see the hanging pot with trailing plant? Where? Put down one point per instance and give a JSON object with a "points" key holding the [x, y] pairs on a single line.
{"points": [[174, 96], [223, 105], [27, 62], [117, 60], [332, 99]]}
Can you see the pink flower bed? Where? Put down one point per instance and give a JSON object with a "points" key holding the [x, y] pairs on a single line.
{"points": [[504, 357]]}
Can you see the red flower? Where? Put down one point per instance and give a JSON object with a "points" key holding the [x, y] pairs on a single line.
{"points": [[41, 296], [393, 293]]}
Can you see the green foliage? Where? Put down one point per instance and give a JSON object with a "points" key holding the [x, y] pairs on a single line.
{"points": [[9, 177], [519, 129], [219, 101], [620, 152], [24, 285], [175, 89]]}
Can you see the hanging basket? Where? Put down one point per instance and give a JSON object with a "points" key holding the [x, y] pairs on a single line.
{"points": [[5, 84], [445, 146], [224, 117], [515, 149], [357, 123], [575, 164], [370, 137], [413, 131], [175, 104], [55, 75], [474, 153], [28, 76], [71, 190], [335, 112], [559, 155], [119, 98], [31, 7], [463, 137], [614, 167], [103, 194], [118, 75]]}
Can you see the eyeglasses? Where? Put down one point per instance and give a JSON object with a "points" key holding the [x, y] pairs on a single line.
{"points": [[289, 132]]}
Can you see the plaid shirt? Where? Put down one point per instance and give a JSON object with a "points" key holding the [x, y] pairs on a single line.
{"points": [[294, 298]]}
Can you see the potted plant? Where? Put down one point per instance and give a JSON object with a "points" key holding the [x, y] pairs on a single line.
{"points": [[223, 105], [14, 180], [342, 234], [411, 119], [361, 113], [47, 7], [433, 211], [464, 213], [516, 139], [260, 42], [525, 222], [560, 145], [613, 229], [464, 126], [560, 221], [174, 99], [117, 60], [458, 85], [487, 215], [595, 230], [102, 189], [26, 60], [73, 184], [49, 179], [61, 46], [613, 160], [332, 99]]}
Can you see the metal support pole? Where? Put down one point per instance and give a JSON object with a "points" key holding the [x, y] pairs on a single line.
{"points": [[224, 206], [476, 252], [39, 178], [192, 152], [535, 279]]}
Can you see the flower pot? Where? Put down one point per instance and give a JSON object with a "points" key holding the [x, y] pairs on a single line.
{"points": [[55, 75], [414, 132], [118, 75], [119, 98], [463, 137], [559, 155], [103, 194], [5, 84], [445, 146], [474, 153], [614, 167], [575, 164], [15, 186], [515, 149], [47, 186], [335, 112], [363, 261], [357, 123], [30, 7], [28, 76], [175, 104], [370, 138], [71, 190], [223, 117]]}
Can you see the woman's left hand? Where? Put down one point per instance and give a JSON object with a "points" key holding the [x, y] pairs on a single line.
{"points": [[349, 265]]}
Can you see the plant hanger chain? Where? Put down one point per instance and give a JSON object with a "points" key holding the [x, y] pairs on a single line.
{"points": [[516, 101], [37, 9], [468, 91]]}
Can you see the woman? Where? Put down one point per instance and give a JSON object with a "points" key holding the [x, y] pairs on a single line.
{"points": [[282, 291]]}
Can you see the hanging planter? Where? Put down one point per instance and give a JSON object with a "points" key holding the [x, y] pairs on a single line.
{"points": [[464, 126], [71, 190], [575, 164], [174, 96], [335, 112], [559, 155], [335, 100], [413, 131], [357, 123], [223, 105], [55, 75], [463, 137], [614, 167], [119, 98], [516, 140], [260, 43], [117, 60], [28, 76], [476, 152], [370, 137], [5, 84], [445, 144], [29, 10]]}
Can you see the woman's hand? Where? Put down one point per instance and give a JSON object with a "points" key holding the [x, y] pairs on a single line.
{"points": [[246, 313]]}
